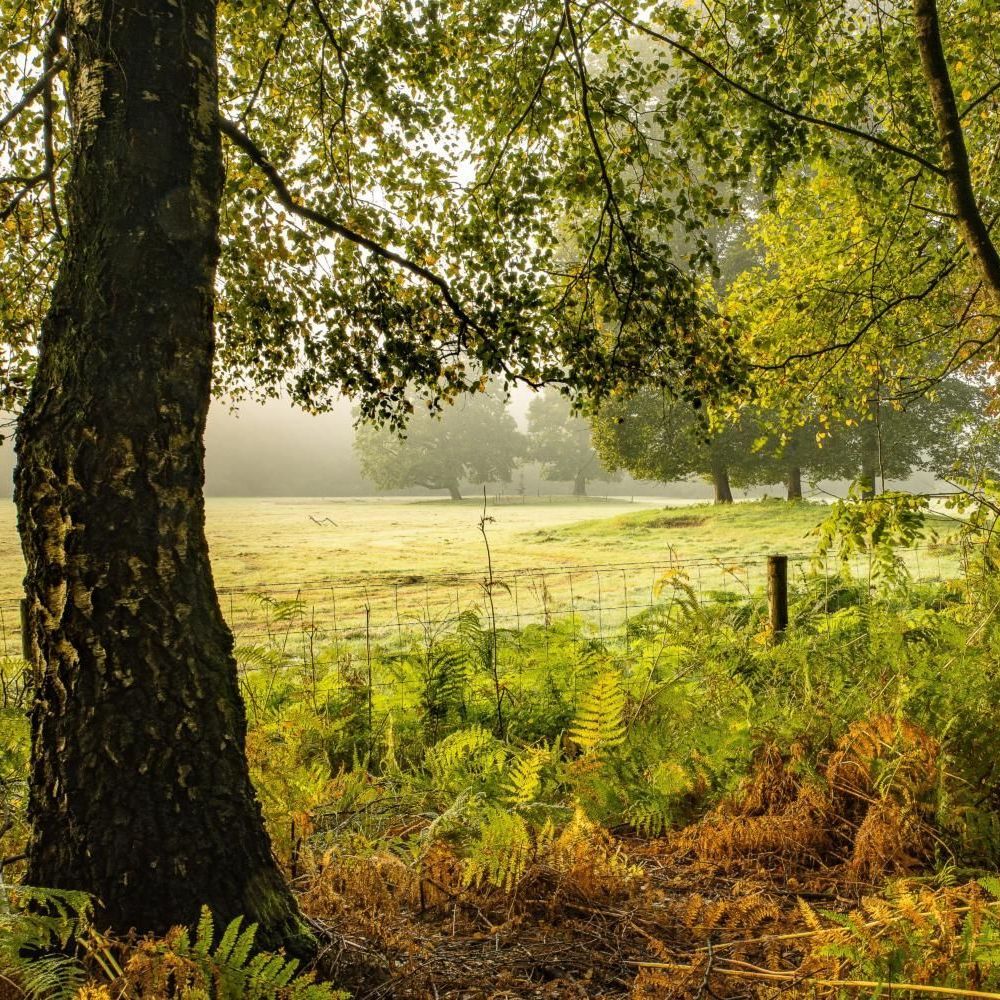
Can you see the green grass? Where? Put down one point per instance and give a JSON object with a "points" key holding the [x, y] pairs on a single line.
{"points": [[703, 532], [264, 542], [343, 566]]}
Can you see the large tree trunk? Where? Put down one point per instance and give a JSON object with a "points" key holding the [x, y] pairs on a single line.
{"points": [[140, 791], [580, 485], [720, 480], [793, 483], [870, 463], [454, 490]]}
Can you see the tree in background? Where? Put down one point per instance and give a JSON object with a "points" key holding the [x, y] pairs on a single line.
{"points": [[652, 436], [941, 433], [559, 439], [475, 439], [946, 431]]}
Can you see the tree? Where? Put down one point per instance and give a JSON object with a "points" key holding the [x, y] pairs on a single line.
{"points": [[894, 107], [942, 433], [474, 439], [349, 260], [560, 440], [654, 437], [140, 791]]}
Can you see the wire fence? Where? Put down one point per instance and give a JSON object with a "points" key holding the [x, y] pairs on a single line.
{"points": [[395, 649], [600, 598]]}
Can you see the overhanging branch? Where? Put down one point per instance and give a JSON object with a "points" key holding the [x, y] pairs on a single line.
{"points": [[288, 201], [767, 102], [957, 172], [33, 92]]}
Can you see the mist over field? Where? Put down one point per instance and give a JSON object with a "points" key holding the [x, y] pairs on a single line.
{"points": [[274, 449]]}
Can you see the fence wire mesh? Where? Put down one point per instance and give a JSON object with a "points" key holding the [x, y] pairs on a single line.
{"points": [[381, 632]]}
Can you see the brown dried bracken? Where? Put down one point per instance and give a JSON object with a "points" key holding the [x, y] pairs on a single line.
{"points": [[728, 907]]}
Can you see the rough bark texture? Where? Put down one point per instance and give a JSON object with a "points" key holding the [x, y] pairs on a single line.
{"points": [[723, 491], [140, 792], [793, 483], [954, 155], [580, 485]]}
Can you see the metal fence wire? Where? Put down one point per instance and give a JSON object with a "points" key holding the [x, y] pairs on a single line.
{"points": [[388, 609]]}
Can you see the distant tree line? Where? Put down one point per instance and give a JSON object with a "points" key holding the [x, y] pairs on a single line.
{"points": [[652, 436]]}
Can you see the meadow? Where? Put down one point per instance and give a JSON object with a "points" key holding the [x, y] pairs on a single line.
{"points": [[261, 543], [349, 562]]}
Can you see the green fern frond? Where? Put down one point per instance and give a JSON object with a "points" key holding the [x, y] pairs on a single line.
{"points": [[991, 883], [600, 718], [464, 754], [239, 976], [205, 933], [501, 852], [523, 784], [33, 923]]}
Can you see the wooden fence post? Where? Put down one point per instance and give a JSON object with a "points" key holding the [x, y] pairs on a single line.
{"points": [[777, 594]]}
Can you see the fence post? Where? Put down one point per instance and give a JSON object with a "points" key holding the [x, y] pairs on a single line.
{"points": [[26, 651], [777, 594]]}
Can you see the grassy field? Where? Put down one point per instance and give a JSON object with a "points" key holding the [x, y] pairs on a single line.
{"points": [[348, 564], [404, 556], [283, 542]]}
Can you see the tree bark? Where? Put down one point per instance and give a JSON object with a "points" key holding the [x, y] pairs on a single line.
{"points": [[139, 792], [720, 480], [454, 490], [870, 464], [580, 485], [972, 226], [793, 483]]}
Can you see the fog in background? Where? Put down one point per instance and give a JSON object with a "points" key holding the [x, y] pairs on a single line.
{"points": [[274, 449]]}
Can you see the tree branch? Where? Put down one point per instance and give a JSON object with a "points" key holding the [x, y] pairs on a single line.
{"points": [[33, 92], [28, 184], [530, 106], [286, 199], [961, 192], [767, 102], [266, 65], [985, 96]]}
